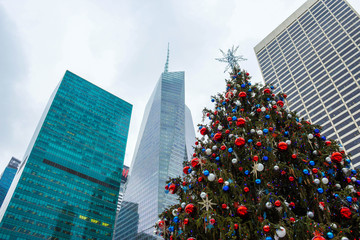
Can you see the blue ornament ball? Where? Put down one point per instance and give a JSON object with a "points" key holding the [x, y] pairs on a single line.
{"points": [[206, 172], [267, 116], [226, 188], [250, 141], [320, 190], [265, 158], [305, 171], [330, 235], [265, 130], [349, 199], [176, 219], [317, 130], [230, 150], [217, 158], [234, 118], [247, 172], [323, 138], [268, 238], [243, 85], [312, 163], [171, 228], [212, 100], [257, 181], [272, 87]]}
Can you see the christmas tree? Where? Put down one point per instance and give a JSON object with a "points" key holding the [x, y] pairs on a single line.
{"points": [[260, 172]]}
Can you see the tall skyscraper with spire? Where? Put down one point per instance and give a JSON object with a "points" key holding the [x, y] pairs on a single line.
{"points": [[314, 57], [164, 142]]}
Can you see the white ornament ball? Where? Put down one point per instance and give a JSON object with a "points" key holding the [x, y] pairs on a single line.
{"points": [[351, 187], [314, 152], [183, 205], [273, 102], [252, 114], [214, 148], [344, 238], [310, 214], [234, 160], [208, 151], [226, 183], [288, 142], [281, 232], [310, 136], [211, 177], [193, 173], [338, 186], [276, 167], [333, 226], [268, 205], [231, 135], [252, 131], [203, 194], [341, 149], [353, 179], [289, 115], [263, 109], [345, 170], [212, 116], [316, 181], [260, 167], [238, 103], [220, 127], [325, 180], [174, 212], [328, 159], [259, 132]]}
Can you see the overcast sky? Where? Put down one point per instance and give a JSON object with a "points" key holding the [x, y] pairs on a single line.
{"points": [[121, 47]]}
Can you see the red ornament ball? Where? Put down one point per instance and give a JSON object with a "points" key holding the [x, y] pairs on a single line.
{"points": [[221, 180], [282, 146], [186, 221], [327, 143], [277, 203], [161, 224], [315, 170], [186, 169], [294, 156], [194, 162], [267, 91], [236, 226], [217, 136], [229, 94], [242, 94], [336, 157], [291, 179], [266, 228], [190, 208], [318, 238], [258, 110], [255, 158], [258, 144], [242, 211], [223, 147], [191, 238], [246, 189], [240, 122], [212, 221], [345, 212], [280, 103], [172, 188], [203, 131], [240, 142], [223, 206], [292, 219], [200, 179]]}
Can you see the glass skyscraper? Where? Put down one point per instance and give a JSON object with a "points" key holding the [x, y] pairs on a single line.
{"points": [[164, 142], [67, 186], [7, 177], [314, 57]]}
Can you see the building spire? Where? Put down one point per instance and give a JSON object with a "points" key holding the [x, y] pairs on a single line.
{"points": [[167, 60]]}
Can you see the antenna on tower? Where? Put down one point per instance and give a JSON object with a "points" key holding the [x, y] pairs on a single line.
{"points": [[167, 60]]}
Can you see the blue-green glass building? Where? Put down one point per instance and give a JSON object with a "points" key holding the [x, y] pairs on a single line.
{"points": [[67, 186], [7, 177]]}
